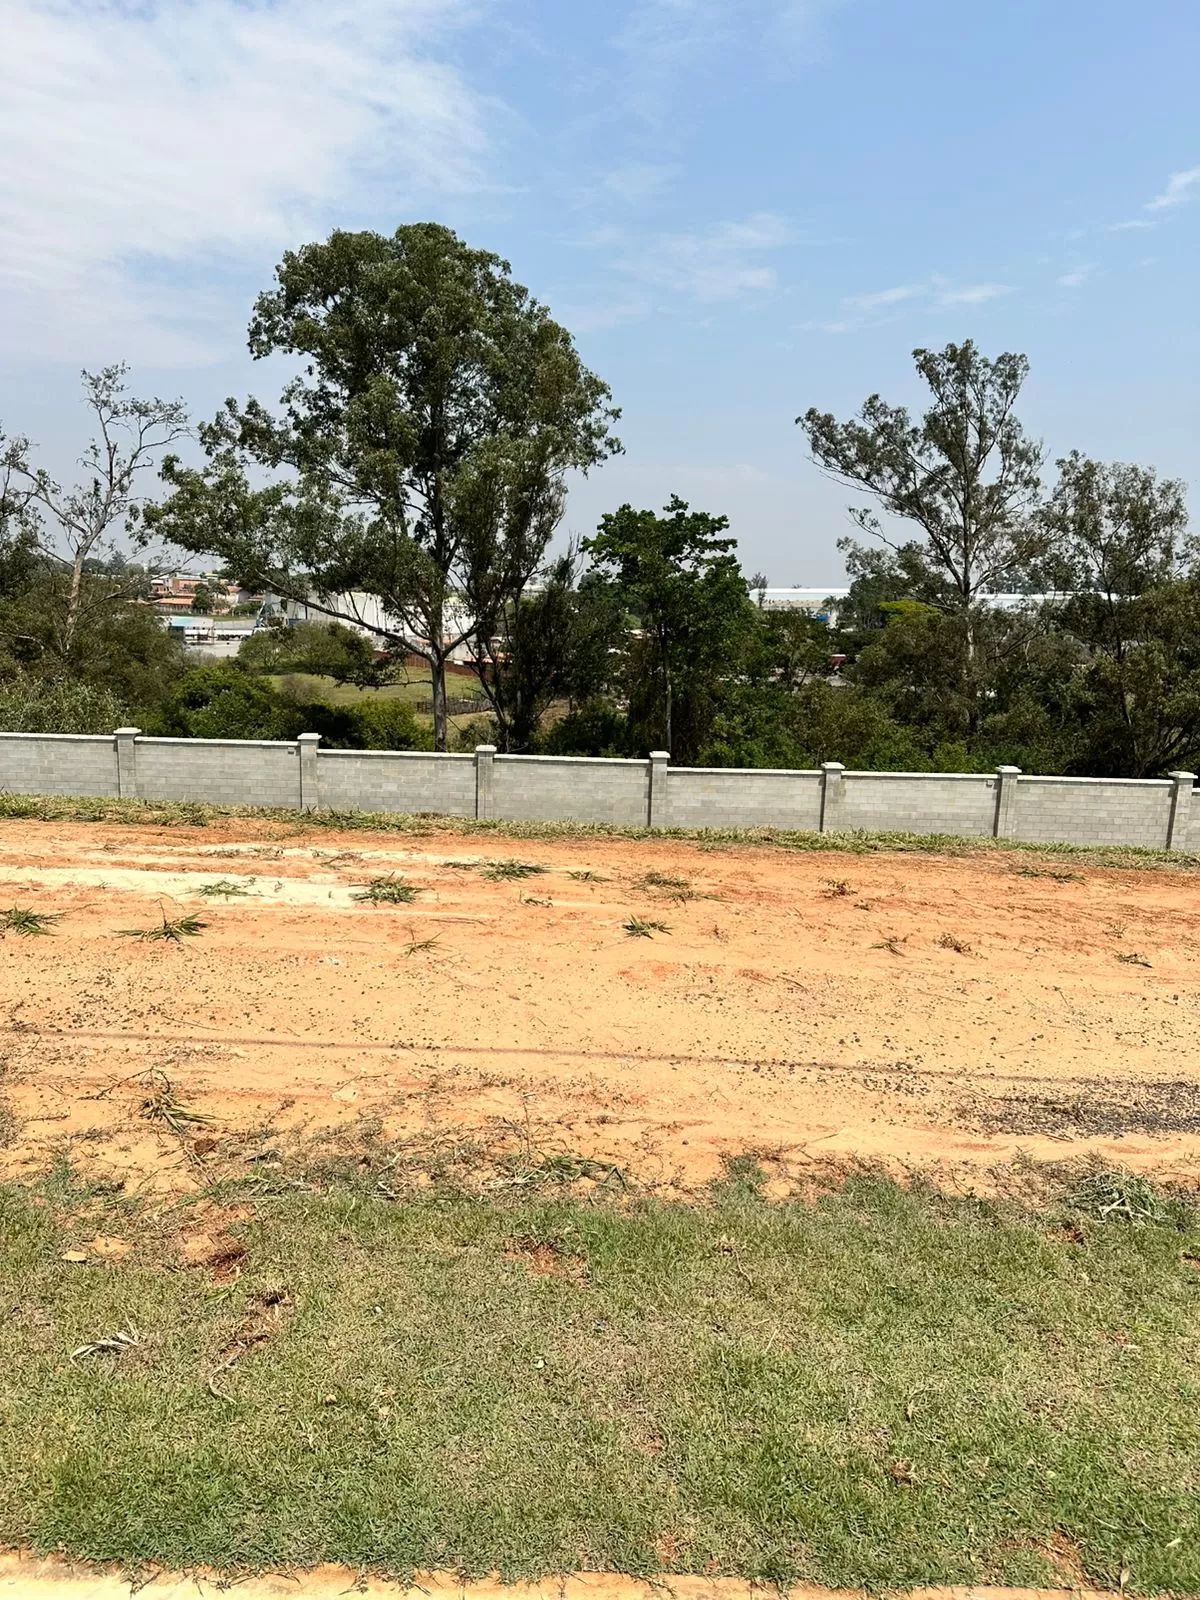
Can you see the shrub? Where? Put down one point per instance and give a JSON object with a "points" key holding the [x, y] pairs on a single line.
{"points": [[61, 705], [388, 725]]}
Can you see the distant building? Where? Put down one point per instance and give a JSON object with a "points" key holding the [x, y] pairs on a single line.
{"points": [[365, 614]]}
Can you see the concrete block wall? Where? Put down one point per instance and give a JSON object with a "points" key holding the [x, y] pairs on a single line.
{"points": [[919, 802], [59, 763], [570, 789], [395, 780], [1121, 811], [232, 772], [720, 797], [1158, 813]]}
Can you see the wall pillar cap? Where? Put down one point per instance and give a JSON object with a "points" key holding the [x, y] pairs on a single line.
{"points": [[660, 755], [1180, 776], [833, 766], [127, 733], [485, 749], [309, 738], [1008, 769]]}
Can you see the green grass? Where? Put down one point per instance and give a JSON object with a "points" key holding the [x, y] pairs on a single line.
{"points": [[644, 927], [327, 691], [195, 814], [172, 930], [500, 871], [224, 889], [883, 1388], [30, 924], [387, 891]]}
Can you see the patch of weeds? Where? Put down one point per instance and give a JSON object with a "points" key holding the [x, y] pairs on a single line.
{"points": [[416, 946], [644, 927], [174, 930], [1116, 1196], [587, 876], [1049, 872], [1132, 959], [20, 919], [742, 1178], [534, 900], [951, 941], [223, 889], [891, 943], [498, 871], [526, 1172], [662, 880], [836, 888], [668, 885], [387, 891], [160, 1105]]}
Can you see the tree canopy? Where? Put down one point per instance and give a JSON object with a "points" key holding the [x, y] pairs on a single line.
{"points": [[419, 454]]}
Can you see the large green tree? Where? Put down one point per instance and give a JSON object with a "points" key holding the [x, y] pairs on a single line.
{"points": [[1127, 569], [683, 583], [964, 472], [420, 452]]}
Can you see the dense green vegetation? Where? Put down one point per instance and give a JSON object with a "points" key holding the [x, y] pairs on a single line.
{"points": [[422, 456]]}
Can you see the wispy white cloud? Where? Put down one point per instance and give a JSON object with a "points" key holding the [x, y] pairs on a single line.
{"points": [[726, 263], [631, 185], [1178, 190], [868, 310], [1127, 227], [1076, 278], [663, 40], [135, 141], [973, 294], [885, 297]]}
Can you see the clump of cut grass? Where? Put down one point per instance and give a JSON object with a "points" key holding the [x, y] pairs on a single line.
{"points": [[891, 943], [28, 923], [416, 946], [162, 1105], [663, 880], [173, 930], [836, 888], [951, 941], [644, 927], [535, 900], [1116, 1196], [1049, 872], [387, 891], [115, 1344], [1132, 959], [499, 871], [586, 875], [223, 889], [669, 886]]}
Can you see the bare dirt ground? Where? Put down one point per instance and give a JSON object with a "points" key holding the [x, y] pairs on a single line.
{"points": [[955, 1016]]}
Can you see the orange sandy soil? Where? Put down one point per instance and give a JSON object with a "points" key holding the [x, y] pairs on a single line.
{"points": [[29, 1579], [771, 1018]]}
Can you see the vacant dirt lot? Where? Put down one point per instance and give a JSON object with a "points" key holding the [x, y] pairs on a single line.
{"points": [[949, 1015]]}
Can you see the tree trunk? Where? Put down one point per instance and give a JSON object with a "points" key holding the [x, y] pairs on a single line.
{"points": [[73, 599], [667, 705], [969, 684], [441, 721]]}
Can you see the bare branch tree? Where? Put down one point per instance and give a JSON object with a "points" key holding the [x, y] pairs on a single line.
{"points": [[70, 526]]}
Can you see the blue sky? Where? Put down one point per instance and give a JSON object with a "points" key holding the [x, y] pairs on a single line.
{"points": [[741, 207]]}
